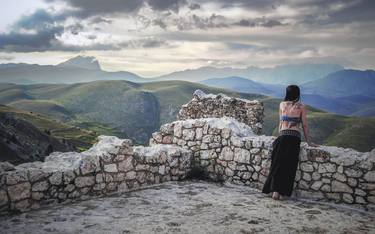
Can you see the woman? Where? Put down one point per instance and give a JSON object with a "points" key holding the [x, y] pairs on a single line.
{"points": [[286, 147]]}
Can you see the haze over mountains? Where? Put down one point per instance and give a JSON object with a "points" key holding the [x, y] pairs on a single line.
{"points": [[76, 100], [326, 86]]}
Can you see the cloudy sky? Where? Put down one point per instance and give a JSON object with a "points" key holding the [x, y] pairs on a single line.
{"points": [[154, 37]]}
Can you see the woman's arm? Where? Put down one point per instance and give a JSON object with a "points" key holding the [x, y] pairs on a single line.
{"points": [[306, 127]]}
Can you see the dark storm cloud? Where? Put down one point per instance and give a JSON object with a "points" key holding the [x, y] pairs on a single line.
{"points": [[259, 22], [98, 20], [87, 8], [194, 6], [160, 23], [162, 5], [41, 36], [195, 21], [144, 43]]}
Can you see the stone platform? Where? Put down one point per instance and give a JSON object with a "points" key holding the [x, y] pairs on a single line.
{"points": [[191, 206]]}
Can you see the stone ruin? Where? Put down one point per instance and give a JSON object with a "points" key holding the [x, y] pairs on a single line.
{"points": [[208, 141]]}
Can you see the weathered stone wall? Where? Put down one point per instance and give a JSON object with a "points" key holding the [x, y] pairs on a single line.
{"points": [[227, 150], [112, 165], [208, 105], [223, 149]]}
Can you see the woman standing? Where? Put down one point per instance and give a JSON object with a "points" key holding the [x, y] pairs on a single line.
{"points": [[286, 147]]}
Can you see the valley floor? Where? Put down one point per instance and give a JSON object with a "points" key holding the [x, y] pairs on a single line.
{"points": [[191, 207]]}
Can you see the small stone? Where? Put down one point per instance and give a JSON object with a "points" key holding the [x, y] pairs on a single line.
{"points": [[188, 134], [341, 187], [37, 196], [40, 186], [110, 168], [241, 155], [22, 205], [130, 175], [339, 177], [370, 176], [316, 185], [226, 154], [56, 178], [126, 165], [360, 192], [306, 167], [348, 198], [326, 188], [360, 200], [69, 177], [352, 182], [36, 174], [19, 191], [354, 173], [14, 177], [162, 170], [3, 197], [84, 181], [208, 154], [306, 176]]}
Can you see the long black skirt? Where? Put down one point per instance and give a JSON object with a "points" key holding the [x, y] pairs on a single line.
{"points": [[284, 163]]}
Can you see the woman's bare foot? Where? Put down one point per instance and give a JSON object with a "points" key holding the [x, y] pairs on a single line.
{"points": [[275, 196]]}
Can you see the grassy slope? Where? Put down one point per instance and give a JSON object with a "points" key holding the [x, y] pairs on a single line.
{"points": [[136, 110], [80, 138], [327, 128]]}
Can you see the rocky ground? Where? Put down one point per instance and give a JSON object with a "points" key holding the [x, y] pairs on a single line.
{"points": [[192, 207]]}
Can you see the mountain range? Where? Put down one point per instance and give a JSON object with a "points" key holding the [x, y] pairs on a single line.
{"points": [[87, 68], [135, 111], [345, 92]]}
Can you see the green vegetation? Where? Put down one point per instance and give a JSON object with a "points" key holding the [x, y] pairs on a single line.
{"points": [[79, 138], [127, 109]]}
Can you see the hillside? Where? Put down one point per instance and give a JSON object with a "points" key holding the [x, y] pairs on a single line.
{"points": [[343, 83], [317, 94], [26, 136], [134, 110]]}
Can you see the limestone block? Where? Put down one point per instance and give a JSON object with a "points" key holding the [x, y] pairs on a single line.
{"points": [[3, 197], [19, 191], [15, 177], [40, 186], [241, 155], [56, 178], [84, 181], [338, 186], [370, 176], [126, 165], [110, 168]]}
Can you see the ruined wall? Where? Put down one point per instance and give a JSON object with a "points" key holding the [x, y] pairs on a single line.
{"points": [[112, 165], [223, 149], [204, 105], [227, 150]]}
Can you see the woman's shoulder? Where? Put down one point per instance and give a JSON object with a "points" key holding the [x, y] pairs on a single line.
{"points": [[297, 104]]}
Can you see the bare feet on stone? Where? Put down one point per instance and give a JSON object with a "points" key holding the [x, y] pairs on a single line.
{"points": [[276, 196]]}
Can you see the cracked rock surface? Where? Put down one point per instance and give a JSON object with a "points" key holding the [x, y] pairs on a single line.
{"points": [[191, 206]]}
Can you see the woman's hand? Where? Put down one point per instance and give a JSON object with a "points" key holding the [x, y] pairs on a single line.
{"points": [[312, 144]]}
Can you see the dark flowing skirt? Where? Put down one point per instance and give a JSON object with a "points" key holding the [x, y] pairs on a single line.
{"points": [[284, 163]]}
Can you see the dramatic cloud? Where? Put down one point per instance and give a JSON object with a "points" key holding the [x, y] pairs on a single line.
{"points": [[161, 35]]}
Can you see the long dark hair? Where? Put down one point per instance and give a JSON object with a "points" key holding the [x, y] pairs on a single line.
{"points": [[292, 93]]}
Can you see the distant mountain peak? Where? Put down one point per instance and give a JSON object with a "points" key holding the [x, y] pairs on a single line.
{"points": [[86, 62]]}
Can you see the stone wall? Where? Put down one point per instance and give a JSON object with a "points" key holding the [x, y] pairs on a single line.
{"points": [[204, 105], [226, 150], [112, 165], [215, 146]]}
